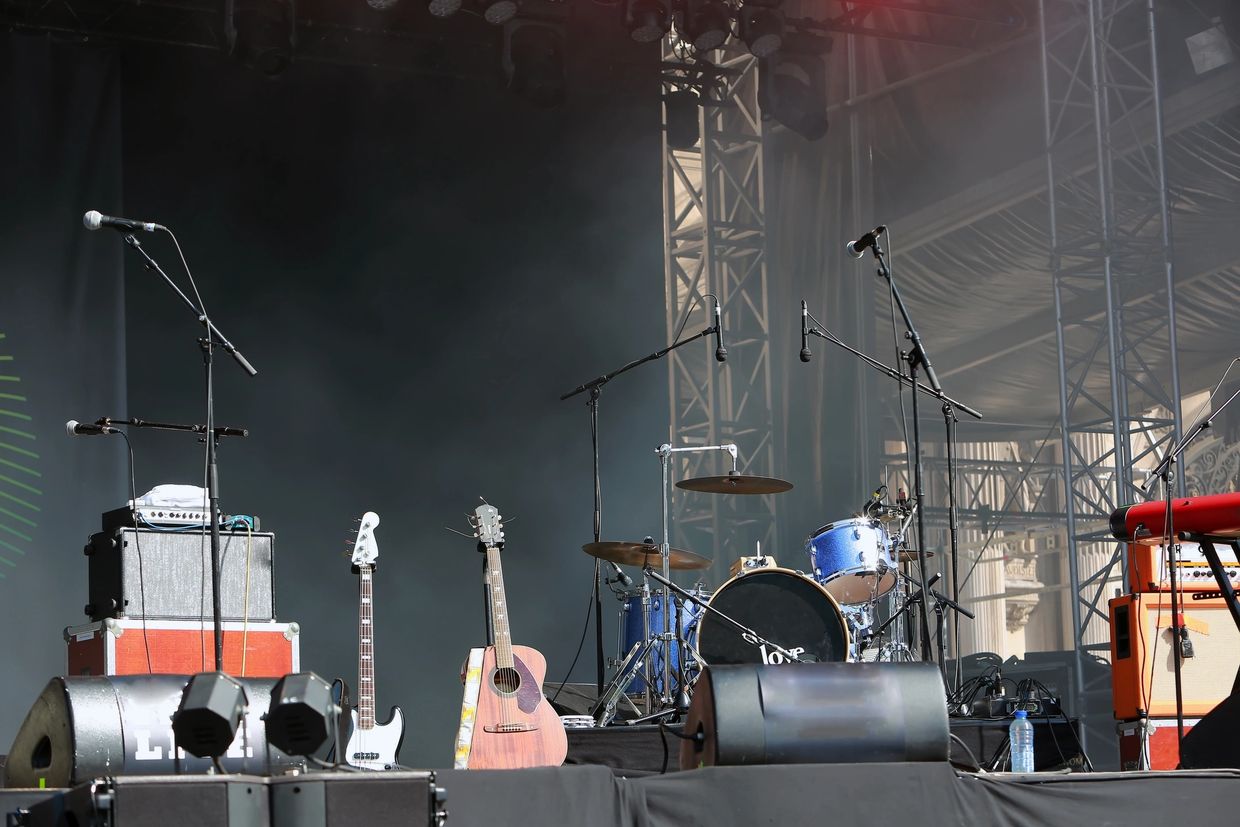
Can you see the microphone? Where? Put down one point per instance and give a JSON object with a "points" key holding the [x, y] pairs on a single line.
{"points": [[805, 354], [721, 352], [857, 248], [876, 499], [94, 220], [621, 577], [75, 428]]}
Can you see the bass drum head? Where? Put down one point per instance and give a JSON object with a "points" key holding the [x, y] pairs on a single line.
{"points": [[783, 606]]}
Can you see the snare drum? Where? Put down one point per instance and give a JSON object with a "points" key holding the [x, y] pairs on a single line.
{"points": [[783, 606], [853, 559], [635, 631]]}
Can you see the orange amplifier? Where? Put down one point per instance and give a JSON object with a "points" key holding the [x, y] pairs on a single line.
{"points": [[1160, 740], [1147, 568], [1142, 669], [116, 646]]}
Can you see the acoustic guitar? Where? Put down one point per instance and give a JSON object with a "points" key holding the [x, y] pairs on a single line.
{"points": [[514, 726]]}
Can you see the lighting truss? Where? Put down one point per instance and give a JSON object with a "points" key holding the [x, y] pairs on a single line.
{"points": [[1110, 241], [715, 242]]}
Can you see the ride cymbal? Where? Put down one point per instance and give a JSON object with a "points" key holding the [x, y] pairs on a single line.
{"points": [[640, 554], [735, 484]]}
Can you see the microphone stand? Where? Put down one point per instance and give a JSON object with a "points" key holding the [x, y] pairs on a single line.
{"points": [[595, 387], [213, 338], [1166, 472], [915, 357]]}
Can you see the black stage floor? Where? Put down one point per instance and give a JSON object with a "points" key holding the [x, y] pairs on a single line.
{"points": [[863, 794], [860, 794]]}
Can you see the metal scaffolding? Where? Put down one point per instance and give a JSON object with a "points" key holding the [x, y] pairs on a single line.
{"points": [[1110, 241], [715, 243]]}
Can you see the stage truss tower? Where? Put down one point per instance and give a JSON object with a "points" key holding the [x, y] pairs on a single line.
{"points": [[715, 243], [1111, 245]]}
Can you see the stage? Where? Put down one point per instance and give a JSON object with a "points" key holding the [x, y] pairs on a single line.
{"points": [[922, 794]]}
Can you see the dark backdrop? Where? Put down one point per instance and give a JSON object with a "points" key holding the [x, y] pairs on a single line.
{"points": [[61, 348], [417, 268]]}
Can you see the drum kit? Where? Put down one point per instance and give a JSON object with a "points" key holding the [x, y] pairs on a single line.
{"points": [[849, 604]]}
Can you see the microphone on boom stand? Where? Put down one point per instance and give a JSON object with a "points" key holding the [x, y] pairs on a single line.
{"points": [[857, 248], [721, 352], [805, 353]]}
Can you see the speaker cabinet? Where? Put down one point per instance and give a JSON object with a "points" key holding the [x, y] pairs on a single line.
{"points": [[816, 713], [167, 574], [1142, 655]]}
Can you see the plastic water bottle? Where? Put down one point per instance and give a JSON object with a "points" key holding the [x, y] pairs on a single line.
{"points": [[1020, 734]]}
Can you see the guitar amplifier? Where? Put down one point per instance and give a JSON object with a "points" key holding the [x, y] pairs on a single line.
{"points": [[1148, 570], [182, 647], [167, 574], [1142, 651]]}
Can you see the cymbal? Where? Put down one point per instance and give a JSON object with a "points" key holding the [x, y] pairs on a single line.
{"points": [[735, 484], [639, 554], [909, 555]]}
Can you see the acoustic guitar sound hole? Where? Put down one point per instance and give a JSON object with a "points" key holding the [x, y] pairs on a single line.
{"points": [[507, 680]]}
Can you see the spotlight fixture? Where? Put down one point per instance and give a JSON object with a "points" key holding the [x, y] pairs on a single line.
{"points": [[792, 90], [496, 12], [647, 20], [443, 8], [707, 24], [762, 30], [682, 124], [381, 5], [298, 720], [533, 61], [206, 721]]}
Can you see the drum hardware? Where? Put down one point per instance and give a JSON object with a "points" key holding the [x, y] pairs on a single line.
{"points": [[744, 564]]}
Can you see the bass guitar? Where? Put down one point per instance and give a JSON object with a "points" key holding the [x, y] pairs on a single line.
{"points": [[514, 725], [372, 745]]}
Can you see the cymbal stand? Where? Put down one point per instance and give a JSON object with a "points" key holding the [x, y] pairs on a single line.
{"points": [[664, 452]]}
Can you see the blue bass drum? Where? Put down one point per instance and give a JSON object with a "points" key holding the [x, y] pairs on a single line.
{"points": [[853, 559]]}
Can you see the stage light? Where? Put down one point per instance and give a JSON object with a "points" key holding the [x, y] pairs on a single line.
{"points": [[299, 718], [496, 12], [443, 8], [206, 721], [647, 20], [533, 61], [762, 30], [381, 5], [792, 90], [262, 34], [707, 24], [816, 713], [682, 123]]}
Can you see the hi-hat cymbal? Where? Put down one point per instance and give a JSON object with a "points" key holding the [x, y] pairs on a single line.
{"points": [[639, 554], [735, 484], [909, 555]]}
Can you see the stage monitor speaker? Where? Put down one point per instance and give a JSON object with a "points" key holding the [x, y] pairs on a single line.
{"points": [[817, 713], [82, 728], [1214, 743], [1142, 665]]}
